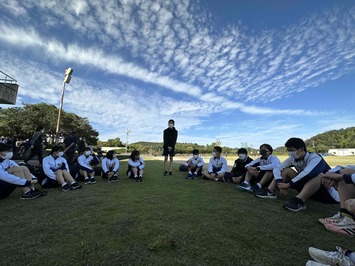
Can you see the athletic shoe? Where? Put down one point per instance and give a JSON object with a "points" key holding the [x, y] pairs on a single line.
{"points": [[135, 179], [66, 187], [244, 187], [92, 180], [165, 173], [345, 227], [314, 263], [255, 188], [31, 195], [336, 218], [194, 176], [110, 180], [170, 173], [87, 181], [115, 178], [295, 204], [189, 176], [75, 186], [140, 178], [266, 194], [43, 193], [330, 257]]}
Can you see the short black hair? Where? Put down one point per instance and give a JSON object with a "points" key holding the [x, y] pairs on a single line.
{"points": [[57, 148], [4, 147], [242, 150], [39, 128], [134, 154], [217, 148], [195, 152], [109, 154], [87, 149], [268, 146], [171, 121], [296, 143]]}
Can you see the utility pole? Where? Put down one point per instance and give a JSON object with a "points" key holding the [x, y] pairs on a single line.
{"points": [[127, 133]]}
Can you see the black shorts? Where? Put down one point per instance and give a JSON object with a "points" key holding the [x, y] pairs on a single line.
{"points": [[6, 189], [49, 182], [166, 152]]}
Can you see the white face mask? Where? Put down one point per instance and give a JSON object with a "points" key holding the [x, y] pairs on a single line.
{"points": [[214, 154], [87, 153], [171, 125], [242, 156], [293, 154], [8, 155], [195, 156], [60, 154]]}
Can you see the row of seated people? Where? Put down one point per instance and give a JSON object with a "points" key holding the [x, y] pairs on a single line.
{"points": [[55, 171], [306, 172]]}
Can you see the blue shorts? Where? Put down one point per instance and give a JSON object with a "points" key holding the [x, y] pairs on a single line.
{"points": [[166, 152]]}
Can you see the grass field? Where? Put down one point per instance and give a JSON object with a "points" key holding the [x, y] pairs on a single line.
{"points": [[162, 221]]}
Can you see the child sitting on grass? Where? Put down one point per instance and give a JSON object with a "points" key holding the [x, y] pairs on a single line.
{"points": [[85, 162], [110, 166], [217, 166], [194, 165], [135, 166]]}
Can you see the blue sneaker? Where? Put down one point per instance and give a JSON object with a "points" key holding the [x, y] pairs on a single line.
{"points": [[189, 176], [244, 187], [194, 176], [255, 188]]}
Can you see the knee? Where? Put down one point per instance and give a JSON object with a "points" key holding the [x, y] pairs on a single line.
{"points": [[350, 205]]}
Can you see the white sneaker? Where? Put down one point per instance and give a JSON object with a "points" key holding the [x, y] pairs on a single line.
{"points": [[336, 218], [330, 257], [313, 263]]}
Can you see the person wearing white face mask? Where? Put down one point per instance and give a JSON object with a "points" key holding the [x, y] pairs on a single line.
{"points": [[306, 178], [194, 165], [12, 176], [237, 174], [170, 136], [110, 167], [56, 170], [217, 166], [85, 163]]}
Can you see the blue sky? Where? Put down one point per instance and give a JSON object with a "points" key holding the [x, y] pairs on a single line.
{"points": [[255, 71]]}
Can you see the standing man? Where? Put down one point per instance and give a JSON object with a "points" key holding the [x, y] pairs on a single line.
{"points": [[170, 137], [70, 142], [36, 143]]}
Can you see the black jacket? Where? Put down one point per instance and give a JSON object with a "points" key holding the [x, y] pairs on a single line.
{"points": [[170, 137]]}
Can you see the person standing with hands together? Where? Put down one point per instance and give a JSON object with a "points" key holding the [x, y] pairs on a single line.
{"points": [[170, 136]]}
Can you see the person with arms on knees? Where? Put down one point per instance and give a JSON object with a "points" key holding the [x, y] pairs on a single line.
{"points": [[12, 176], [135, 166], [260, 170], [86, 161], [170, 136], [36, 143], [344, 179], [194, 165], [217, 166], [237, 174], [56, 170], [306, 178], [110, 166]]}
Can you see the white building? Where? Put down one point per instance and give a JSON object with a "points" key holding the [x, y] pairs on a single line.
{"points": [[342, 152]]}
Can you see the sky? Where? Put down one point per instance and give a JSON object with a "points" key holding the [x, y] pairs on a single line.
{"points": [[240, 71]]}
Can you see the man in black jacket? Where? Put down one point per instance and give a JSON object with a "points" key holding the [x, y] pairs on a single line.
{"points": [[36, 145], [170, 137]]}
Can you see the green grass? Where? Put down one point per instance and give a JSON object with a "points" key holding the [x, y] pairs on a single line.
{"points": [[162, 221]]}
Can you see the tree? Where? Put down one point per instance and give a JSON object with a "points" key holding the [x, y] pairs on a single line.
{"points": [[116, 142], [22, 121]]}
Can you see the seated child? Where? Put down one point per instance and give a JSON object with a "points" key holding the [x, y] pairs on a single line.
{"points": [[260, 170], [217, 166], [194, 164], [85, 162], [12, 176], [56, 170], [237, 174], [110, 166], [135, 167]]}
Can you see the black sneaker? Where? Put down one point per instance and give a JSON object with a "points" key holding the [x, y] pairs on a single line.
{"points": [[43, 193], [87, 181], [115, 178], [92, 180], [255, 188], [165, 173], [66, 187], [295, 204], [194, 176], [31, 195], [266, 194], [140, 178], [75, 186], [110, 179], [170, 173], [189, 176]]}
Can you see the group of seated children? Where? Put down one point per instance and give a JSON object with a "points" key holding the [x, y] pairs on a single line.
{"points": [[56, 171]]}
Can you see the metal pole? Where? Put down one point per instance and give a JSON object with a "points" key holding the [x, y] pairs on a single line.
{"points": [[59, 116], [128, 131]]}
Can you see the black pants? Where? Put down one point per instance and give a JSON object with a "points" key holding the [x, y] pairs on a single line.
{"points": [[6, 189], [35, 151]]}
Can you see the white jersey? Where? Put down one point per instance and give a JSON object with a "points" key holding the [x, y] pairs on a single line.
{"points": [[219, 163], [107, 164], [85, 161], [196, 162], [51, 164], [139, 163], [9, 178], [265, 164]]}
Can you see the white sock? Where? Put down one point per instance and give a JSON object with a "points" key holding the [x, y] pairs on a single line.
{"points": [[258, 185], [73, 182], [190, 173], [64, 184], [246, 182]]}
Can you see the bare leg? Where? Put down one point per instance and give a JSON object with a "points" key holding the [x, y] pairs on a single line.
{"points": [[266, 178], [166, 163], [134, 171], [171, 163], [18, 171], [59, 177], [310, 188], [350, 205], [67, 176]]}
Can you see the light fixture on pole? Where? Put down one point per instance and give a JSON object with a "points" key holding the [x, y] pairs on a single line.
{"points": [[67, 76]]}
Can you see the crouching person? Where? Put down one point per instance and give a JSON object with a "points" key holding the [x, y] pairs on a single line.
{"points": [[12, 176], [110, 166], [194, 165], [135, 167], [56, 171], [85, 162]]}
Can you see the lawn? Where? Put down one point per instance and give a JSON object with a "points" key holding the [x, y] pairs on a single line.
{"points": [[162, 221]]}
